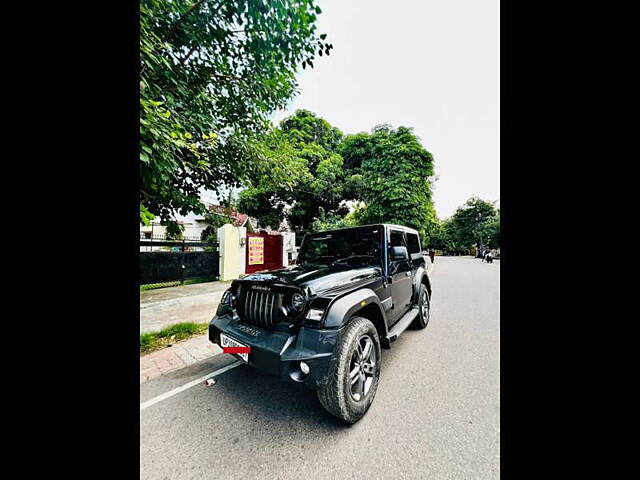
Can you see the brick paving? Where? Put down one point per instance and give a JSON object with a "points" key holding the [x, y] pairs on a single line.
{"points": [[177, 356]]}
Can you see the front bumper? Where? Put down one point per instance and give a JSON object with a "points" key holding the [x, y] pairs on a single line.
{"points": [[280, 353]]}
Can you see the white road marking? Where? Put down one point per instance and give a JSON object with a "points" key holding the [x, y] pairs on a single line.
{"points": [[186, 386]]}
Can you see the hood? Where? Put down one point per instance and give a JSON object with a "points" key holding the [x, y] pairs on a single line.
{"points": [[316, 278]]}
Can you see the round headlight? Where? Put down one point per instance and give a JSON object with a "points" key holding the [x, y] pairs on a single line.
{"points": [[297, 301]]}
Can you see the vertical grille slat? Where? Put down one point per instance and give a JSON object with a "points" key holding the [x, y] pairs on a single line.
{"points": [[248, 307], [273, 299], [256, 308], [254, 315], [251, 307], [259, 308]]}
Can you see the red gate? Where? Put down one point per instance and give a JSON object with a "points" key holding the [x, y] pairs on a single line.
{"points": [[263, 252]]}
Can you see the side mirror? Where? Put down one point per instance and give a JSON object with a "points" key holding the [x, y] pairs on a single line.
{"points": [[399, 253]]}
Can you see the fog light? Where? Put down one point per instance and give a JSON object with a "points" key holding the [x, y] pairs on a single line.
{"points": [[304, 368], [315, 314]]}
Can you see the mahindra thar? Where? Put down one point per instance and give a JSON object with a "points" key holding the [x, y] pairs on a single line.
{"points": [[323, 321]]}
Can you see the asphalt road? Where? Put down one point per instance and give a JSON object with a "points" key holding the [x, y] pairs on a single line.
{"points": [[436, 414]]}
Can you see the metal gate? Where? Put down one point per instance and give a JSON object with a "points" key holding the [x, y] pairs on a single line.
{"points": [[177, 263], [263, 252]]}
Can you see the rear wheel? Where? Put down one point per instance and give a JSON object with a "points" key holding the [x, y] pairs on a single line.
{"points": [[424, 309], [354, 372]]}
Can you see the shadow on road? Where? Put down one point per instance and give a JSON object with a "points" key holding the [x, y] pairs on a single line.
{"points": [[275, 402], [246, 392]]}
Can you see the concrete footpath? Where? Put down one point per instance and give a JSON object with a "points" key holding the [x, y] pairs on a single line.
{"points": [[163, 307]]}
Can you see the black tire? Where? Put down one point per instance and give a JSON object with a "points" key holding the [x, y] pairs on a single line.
{"points": [[337, 396], [424, 314]]}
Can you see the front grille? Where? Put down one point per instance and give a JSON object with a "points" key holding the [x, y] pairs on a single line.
{"points": [[261, 308]]}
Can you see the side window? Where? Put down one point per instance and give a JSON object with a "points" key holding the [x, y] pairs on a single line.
{"points": [[413, 243], [396, 239]]}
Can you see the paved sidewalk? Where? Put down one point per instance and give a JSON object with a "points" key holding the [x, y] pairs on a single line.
{"points": [[177, 356], [163, 307]]}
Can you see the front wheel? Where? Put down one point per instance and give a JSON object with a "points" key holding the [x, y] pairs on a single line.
{"points": [[354, 372]]}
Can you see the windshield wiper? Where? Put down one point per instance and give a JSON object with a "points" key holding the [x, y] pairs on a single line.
{"points": [[352, 256]]}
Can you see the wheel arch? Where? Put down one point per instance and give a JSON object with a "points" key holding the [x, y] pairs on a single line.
{"points": [[427, 283], [421, 278], [361, 303], [374, 314]]}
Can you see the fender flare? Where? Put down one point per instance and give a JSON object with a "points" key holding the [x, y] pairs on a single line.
{"points": [[420, 275], [343, 308]]}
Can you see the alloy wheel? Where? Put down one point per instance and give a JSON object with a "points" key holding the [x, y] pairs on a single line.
{"points": [[425, 306], [362, 368]]}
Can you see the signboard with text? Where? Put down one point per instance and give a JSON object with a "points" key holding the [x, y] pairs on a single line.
{"points": [[256, 250]]}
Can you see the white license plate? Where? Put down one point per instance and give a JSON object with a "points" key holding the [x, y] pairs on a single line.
{"points": [[230, 342]]}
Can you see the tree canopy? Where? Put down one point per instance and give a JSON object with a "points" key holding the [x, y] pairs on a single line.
{"points": [[474, 224], [396, 173], [388, 169], [470, 219], [317, 180], [211, 73]]}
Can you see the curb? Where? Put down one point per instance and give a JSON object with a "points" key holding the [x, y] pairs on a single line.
{"points": [[177, 356]]}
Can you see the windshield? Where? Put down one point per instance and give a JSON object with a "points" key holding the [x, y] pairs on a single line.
{"points": [[359, 245]]}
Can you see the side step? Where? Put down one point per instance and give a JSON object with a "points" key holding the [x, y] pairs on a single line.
{"points": [[400, 326]]}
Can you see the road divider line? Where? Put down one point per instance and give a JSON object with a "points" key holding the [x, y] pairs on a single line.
{"points": [[186, 386]]}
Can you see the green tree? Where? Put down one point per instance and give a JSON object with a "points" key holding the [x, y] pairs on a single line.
{"points": [[471, 222], [491, 231], [332, 221], [211, 73], [443, 236], [313, 177], [355, 149], [305, 127], [396, 174]]}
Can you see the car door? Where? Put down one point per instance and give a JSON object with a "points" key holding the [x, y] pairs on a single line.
{"points": [[399, 276]]}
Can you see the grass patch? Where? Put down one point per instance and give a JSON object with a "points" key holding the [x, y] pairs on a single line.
{"points": [[190, 281], [193, 281], [153, 286], [167, 336]]}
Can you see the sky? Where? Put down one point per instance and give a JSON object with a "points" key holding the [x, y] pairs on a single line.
{"points": [[430, 65]]}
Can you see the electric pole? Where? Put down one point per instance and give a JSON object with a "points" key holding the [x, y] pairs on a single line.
{"points": [[479, 219]]}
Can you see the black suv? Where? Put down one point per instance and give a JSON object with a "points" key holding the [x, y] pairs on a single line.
{"points": [[323, 321]]}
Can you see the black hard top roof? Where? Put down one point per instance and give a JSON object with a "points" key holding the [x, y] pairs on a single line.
{"points": [[383, 225]]}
